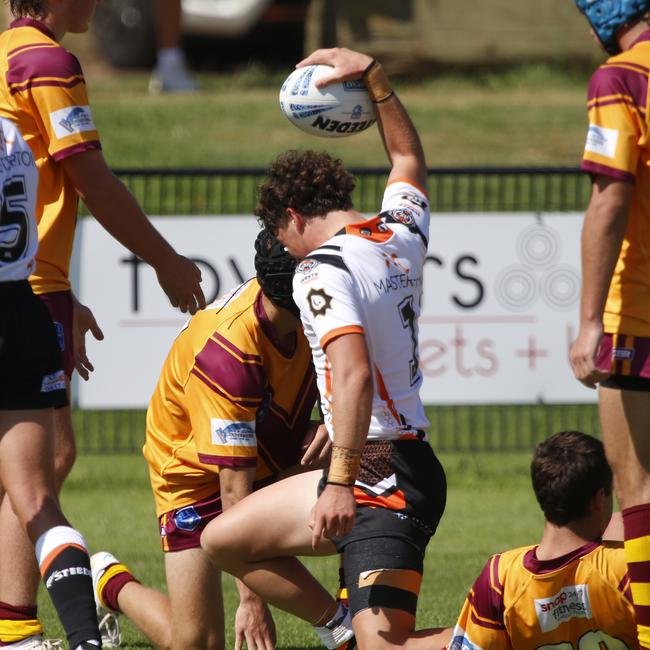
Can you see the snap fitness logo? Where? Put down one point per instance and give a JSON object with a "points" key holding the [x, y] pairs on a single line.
{"points": [[539, 275], [570, 602]]}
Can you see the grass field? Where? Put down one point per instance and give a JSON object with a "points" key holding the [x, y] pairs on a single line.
{"points": [[490, 507], [533, 115], [488, 119]]}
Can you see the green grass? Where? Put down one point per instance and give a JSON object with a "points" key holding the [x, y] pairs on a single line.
{"points": [[490, 507], [532, 115]]}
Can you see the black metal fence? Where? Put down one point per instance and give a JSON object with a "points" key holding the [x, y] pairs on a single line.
{"points": [[453, 428], [489, 189]]}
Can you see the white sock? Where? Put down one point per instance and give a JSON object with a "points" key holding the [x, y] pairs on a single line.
{"points": [[336, 631]]}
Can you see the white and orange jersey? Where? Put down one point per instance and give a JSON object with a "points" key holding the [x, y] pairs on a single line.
{"points": [[368, 279], [580, 601], [18, 186]]}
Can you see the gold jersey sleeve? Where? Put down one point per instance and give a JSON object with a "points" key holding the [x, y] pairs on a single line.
{"points": [[577, 602]]}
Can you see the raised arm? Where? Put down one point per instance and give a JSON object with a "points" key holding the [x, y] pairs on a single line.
{"points": [[400, 138]]}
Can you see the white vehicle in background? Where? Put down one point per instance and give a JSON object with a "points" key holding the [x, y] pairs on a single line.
{"points": [[124, 29]]}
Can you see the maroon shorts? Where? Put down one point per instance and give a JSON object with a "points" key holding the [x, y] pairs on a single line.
{"points": [[59, 304], [181, 529], [625, 355]]}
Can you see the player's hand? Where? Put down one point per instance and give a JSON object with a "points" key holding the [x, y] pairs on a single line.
{"points": [[347, 64], [83, 321], [254, 625], [583, 355], [333, 515], [319, 449], [180, 279]]}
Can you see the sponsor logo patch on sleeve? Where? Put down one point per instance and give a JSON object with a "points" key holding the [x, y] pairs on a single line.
{"points": [[460, 640], [70, 120], [570, 602], [233, 434], [55, 381], [602, 141]]}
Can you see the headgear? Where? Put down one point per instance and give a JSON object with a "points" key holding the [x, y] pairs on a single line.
{"points": [[274, 268], [606, 18]]}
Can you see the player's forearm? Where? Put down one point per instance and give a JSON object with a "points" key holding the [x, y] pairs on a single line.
{"points": [[602, 236], [401, 141], [235, 483], [352, 406], [118, 212]]}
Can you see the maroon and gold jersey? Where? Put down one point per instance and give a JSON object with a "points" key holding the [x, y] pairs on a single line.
{"points": [[228, 396], [42, 90], [618, 146], [580, 601]]}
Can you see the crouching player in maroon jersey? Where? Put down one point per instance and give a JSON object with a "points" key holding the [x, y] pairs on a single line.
{"points": [[569, 592], [230, 412]]}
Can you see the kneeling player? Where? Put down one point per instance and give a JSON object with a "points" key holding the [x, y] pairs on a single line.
{"points": [[230, 412], [570, 591]]}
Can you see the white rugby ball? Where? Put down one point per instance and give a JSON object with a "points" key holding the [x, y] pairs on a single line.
{"points": [[335, 111]]}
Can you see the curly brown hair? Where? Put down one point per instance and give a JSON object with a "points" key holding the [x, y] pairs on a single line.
{"points": [[311, 183], [32, 8]]}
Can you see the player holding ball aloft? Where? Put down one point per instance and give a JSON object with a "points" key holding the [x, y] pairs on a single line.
{"points": [[384, 493]]}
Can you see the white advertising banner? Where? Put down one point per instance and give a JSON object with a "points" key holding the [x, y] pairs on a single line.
{"points": [[499, 312]]}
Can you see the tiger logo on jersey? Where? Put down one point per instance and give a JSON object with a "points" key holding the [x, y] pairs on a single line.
{"points": [[319, 302]]}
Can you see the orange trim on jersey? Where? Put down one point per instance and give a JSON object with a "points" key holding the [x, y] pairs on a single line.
{"points": [[372, 230], [409, 182], [610, 98], [163, 526], [340, 331], [383, 393], [494, 576], [395, 501], [52, 555]]}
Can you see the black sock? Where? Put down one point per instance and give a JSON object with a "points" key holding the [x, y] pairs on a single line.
{"points": [[65, 567]]}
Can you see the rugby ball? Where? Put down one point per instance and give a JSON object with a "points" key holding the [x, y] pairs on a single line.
{"points": [[335, 111]]}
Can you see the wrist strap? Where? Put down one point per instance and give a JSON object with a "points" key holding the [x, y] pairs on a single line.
{"points": [[377, 82], [344, 466]]}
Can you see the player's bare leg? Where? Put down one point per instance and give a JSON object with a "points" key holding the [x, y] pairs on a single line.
{"points": [[625, 419], [27, 474], [384, 628], [256, 540], [19, 575], [190, 616]]}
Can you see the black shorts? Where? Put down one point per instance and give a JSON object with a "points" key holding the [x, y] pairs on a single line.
{"points": [[31, 376], [401, 492]]}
